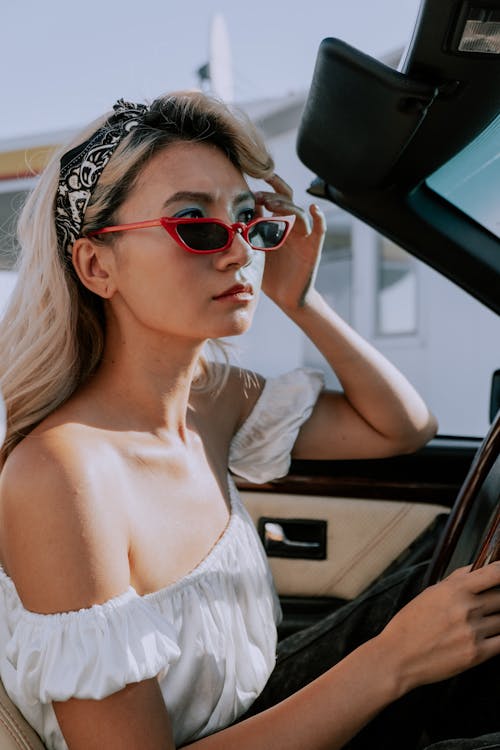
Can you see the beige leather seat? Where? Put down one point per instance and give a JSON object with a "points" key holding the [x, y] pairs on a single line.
{"points": [[15, 732]]}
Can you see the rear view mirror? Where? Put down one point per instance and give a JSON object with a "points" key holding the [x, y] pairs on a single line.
{"points": [[359, 117]]}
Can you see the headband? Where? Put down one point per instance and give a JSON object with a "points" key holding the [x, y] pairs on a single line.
{"points": [[82, 167]]}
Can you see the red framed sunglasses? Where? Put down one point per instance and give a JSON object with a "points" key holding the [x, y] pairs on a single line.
{"points": [[212, 235]]}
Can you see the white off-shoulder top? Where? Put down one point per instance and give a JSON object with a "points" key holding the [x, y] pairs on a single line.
{"points": [[209, 638]]}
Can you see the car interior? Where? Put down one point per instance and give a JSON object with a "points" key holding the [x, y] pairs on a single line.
{"points": [[389, 147]]}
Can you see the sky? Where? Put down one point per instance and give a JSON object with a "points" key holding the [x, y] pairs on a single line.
{"points": [[63, 62]]}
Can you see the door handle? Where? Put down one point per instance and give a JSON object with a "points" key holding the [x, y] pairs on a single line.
{"points": [[274, 534], [293, 537]]}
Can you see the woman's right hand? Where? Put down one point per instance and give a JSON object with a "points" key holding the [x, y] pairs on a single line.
{"points": [[448, 628]]}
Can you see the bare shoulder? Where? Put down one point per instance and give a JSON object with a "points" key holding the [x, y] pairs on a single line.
{"points": [[234, 402], [62, 539]]}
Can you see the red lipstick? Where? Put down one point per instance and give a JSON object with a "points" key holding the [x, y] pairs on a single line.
{"points": [[238, 292]]}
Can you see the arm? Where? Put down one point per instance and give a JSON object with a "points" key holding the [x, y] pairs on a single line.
{"points": [[451, 627], [378, 413], [327, 713], [64, 543], [48, 524]]}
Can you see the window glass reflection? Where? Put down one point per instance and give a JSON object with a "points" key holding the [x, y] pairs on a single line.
{"points": [[396, 297]]}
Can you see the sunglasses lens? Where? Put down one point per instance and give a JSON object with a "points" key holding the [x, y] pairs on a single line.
{"points": [[203, 237], [267, 234]]}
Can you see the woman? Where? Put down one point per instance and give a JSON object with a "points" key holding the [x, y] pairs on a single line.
{"points": [[137, 606]]}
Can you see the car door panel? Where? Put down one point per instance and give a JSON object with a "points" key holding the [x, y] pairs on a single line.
{"points": [[379, 514], [363, 538]]}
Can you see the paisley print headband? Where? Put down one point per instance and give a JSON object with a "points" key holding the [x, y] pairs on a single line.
{"points": [[83, 165]]}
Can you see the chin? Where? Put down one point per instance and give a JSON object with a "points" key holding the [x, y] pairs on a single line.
{"points": [[236, 330], [239, 325]]}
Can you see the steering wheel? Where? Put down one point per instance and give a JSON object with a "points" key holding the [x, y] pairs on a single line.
{"points": [[472, 533]]}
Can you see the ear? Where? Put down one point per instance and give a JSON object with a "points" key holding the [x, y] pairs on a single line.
{"points": [[93, 263]]}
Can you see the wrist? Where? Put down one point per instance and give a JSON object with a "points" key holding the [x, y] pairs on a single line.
{"points": [[398, 682], [311, 302], [362, 684]]}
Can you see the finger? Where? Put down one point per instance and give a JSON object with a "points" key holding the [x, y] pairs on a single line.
{"points": [[490, 647], [265, 198], [279, 185], [485, 578], [318, 221], [259, 210], [489, 627], [490, 602], [283, 207], [302, 219]]}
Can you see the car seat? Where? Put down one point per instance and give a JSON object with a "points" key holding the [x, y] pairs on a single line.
{"points": [[15, 732]]}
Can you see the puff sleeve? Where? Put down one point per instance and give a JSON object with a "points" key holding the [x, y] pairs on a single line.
{"points": [[260, 450], [89, 653]]}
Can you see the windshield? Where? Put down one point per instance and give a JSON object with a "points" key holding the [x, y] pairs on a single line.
{"points": [[470, 179]]}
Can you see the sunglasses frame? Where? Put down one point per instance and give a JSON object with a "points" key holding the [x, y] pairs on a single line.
{"points": [[171, 224]]}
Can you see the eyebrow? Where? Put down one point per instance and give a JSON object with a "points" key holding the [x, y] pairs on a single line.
{"points": [[201, 197]]}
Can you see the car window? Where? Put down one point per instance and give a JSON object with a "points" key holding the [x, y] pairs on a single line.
{"points": [[470, 179], [442, 339]]}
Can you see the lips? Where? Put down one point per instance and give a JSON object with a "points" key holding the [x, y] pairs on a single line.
{"points": [[239, 291]]}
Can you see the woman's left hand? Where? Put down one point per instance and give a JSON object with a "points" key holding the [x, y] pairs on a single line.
{"points": [[290, 271]]}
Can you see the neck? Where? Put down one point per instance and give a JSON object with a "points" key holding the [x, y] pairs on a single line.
{"points": [[145, 381]]}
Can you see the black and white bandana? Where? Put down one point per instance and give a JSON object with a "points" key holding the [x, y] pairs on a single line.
{"points": [[83, 165]]}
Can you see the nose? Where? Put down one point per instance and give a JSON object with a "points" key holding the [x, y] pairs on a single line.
{"points": [[239, 253]]}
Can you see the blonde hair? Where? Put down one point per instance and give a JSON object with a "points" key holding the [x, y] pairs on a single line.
{"points": [[53, 331]]}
